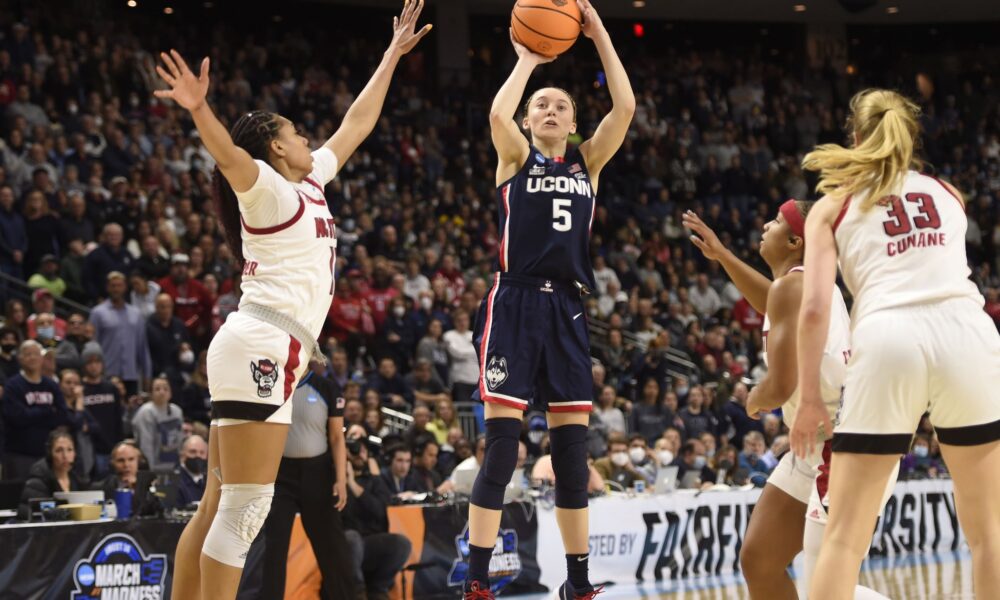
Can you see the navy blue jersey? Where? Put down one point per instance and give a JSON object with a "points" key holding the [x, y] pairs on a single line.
{"points": [[546, 211]]}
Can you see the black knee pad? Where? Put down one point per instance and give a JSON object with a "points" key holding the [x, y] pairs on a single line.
{"points": [[499, 461], [569, 463]]}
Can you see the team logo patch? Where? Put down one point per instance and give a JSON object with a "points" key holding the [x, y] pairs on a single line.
{"points": [[340, 402], [265, 375], [575, 168], [539, 158], [496, 372], [505, 564], [118, 568], [536, 170]]}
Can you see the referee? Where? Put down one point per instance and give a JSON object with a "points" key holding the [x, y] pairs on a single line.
{"points": [[306, 484]]}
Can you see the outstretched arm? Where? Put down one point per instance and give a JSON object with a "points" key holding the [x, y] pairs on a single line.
{"points": [[361, 118], [510, 143], [747, 279], [814, 322], [190, 92], [610, 134]]}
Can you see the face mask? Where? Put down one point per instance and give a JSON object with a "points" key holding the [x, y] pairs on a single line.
{"points": [[710, 452], [593, 312], [535, 436], [637, 454], [665, 457], [681, 391], [46, 333], [195, 465], [921, 451], [700, 462], [187, 357], [8, 348], [426, 303], [620, 459], [399, 311]]}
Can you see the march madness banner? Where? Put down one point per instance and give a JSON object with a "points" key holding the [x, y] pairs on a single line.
{"points": [[687, 535]]}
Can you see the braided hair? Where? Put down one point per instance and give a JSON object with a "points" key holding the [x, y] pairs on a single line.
{"points": [[253, 132]]}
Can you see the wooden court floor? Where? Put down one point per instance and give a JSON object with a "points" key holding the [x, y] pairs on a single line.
{"points": [[936, 577]]}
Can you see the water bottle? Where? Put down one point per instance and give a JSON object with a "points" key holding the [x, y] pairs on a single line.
{"points": [[123, 502]]}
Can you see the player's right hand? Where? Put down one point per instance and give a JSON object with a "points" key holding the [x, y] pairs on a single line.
{"points": [[702, 236], [523, 53], [185, 88]]}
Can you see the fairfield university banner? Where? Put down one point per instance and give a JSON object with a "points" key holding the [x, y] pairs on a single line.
{"points": [[687, 535]]}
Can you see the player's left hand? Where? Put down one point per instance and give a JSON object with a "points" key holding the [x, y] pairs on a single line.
{"points": [[404, 38], [810, 420], [754, 407], [340, 491], [592, 25]]}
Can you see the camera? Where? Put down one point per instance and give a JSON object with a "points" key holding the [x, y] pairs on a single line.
{"points": [[353, 447]]}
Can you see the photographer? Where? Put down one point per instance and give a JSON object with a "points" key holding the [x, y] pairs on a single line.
{"points": [[378, 555]]}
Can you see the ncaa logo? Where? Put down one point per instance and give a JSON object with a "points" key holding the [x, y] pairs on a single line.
{"points": [[496, 372]]}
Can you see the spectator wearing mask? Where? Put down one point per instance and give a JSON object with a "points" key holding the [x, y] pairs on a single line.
{"points": [[428, 390], [918, 463], [42, 302], [157, 427], [33, 406], [641, 458], [48, 278], [69, 352], [192, 470], [120, 331], [103, 403], [9, 341], [464, 373], [192, 303], [617, 465], [165, 333], [53, 473], [692, 459], [111, 256], [377, 555], [400, 334], [45, 331], [390, 386]]}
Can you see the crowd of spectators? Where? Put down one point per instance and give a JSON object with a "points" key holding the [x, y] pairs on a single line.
{"points": [[105, 214]]}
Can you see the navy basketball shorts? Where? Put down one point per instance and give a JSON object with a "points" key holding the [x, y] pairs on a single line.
{"points": [[533, 346]]}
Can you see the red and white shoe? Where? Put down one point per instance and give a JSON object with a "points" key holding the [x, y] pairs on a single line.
{"points": [[566, 592], [476, 591]]}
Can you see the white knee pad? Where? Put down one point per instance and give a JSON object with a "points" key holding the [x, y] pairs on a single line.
{"points": [[243, 508]]}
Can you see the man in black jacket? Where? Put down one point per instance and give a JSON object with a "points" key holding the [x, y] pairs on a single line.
{"points": [[105, 405], [165, 333], [378, 554]]}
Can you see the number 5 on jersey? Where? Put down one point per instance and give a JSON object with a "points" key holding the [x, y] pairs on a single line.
{"points": [[562, 219]]}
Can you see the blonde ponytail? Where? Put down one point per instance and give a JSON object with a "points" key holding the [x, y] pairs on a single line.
{"points": [[887, 128]]}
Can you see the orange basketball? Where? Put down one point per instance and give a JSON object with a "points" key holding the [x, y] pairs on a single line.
{"points": [[547, 27]]}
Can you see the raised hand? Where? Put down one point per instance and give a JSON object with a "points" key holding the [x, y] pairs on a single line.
{"points": [[708, 242], [524, 53], [186, 89], [592, 25], [403, 36]]}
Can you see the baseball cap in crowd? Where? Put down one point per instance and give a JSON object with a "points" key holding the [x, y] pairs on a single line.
{"points": [[40, 293], [179, 258], [91, 352], [49, 258], [354, 273]]}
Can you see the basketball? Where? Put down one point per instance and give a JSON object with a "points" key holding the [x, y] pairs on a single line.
{"points": [[546, 27]]}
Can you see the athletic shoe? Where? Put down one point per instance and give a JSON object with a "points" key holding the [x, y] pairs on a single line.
{"points": [[566, 592], [475, 591]]}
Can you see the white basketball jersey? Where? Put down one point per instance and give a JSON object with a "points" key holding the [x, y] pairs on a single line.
{"points": [[836, 353], [289, 243], [908, 249]]}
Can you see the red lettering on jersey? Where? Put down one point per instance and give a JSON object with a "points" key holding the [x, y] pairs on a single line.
{"points": [[325, 228], [250, 268], [914, 240]]}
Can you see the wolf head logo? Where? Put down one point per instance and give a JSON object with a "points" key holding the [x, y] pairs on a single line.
{"points": [[265, 375], [496, 372]]}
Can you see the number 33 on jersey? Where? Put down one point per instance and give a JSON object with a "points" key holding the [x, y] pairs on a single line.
{"points": [[546, 211]]}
